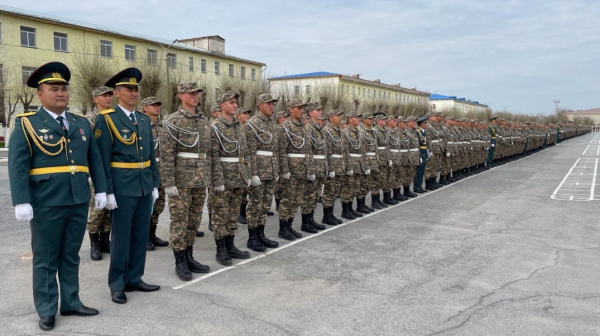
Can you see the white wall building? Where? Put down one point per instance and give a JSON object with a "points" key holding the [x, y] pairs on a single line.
{"points": [[441, 103]]}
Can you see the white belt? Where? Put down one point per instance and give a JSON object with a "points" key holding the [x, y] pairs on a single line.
{"points": [[466, 142], [157, 159], [297, 156], [381, 148], [450, 142], [337, 156], [371, 153], [404, 151], [264, 153], [414, 149], [231, 159], [319, 157], [192, 155], [435, 141], [394, 150], [355, 155]]}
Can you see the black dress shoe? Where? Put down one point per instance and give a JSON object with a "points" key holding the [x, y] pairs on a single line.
{"points": [[118, 297], [81, 311], [200, 234], [47, 323], [141, 287]]}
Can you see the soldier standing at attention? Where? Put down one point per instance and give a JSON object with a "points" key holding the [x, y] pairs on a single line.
{"points": [[368, 181], [281, 117], [394, 180], [423, 154], [51, 154], [99, 220], [230, 176], [215, 112], [242, 115], [151, 108], [408, 154], [185, 173], [296, 166], [125, 141], [356, 166], [494, 133], [261, 136], [336, 163], [381, 132]]}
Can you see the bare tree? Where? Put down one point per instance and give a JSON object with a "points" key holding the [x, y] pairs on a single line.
{"points": [[89, 71]]}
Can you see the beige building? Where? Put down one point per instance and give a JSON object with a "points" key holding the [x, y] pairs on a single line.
{"points": [[441, 103], [579, 116]]}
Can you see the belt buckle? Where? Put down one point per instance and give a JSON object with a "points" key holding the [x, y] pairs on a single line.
{"points": [[73, 169], [141, 165]]}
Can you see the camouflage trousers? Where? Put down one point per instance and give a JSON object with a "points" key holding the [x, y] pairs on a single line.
{"points": [[433, 166], [186, 214], [332, 189], [311, 194], [291, 198], [407, 173], [99, 220], [369, 183], [278, 193], [445, 164], [259, 204], [159, 206], [225, 210], [394, 178], [350, 187], [245, 196]]}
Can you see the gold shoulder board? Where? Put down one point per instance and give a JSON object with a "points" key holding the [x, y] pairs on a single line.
{"points": [[105, 112], [26, 114]]}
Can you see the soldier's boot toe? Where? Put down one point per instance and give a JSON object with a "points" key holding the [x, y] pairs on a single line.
{"points": [[181, 268], [222, 256], [374, 204], [193, 265], [409, 193], [328, 217], [260, 233], [339, 221], [253, 242], [314, 223], [154, 239], [105, 242], [284, 233], [233, 251], [355, 212], [291, 229], [306, 226], [270, 213], [95, 252], [200, 234], [361, 207], [150, 245], [387, 198], [346, 213]]}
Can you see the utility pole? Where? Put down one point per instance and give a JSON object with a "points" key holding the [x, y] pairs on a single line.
{"points": [[557, 102], [169, 93]]}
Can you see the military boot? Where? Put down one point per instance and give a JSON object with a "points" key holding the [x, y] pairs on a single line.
{"points": [[233, 251], [339, 221], [242, 215], [222, 257], [149, 245], [155, 240], [253, 242], [277, 205], [327, 219], [346, 213], [199, 234], [409, 193], [95, 252], [444, 180], [306, 226], [210, 227], [105, 242], [284, 232], [387, 198], [374, 204], [260, 233], [181, 267], [398, 195], [429, 185], [291, 229], [361, 206], [354, 212], [312, 221], [193, 265]]}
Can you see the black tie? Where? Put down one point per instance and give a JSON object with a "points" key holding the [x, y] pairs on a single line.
{"points": [[132, 117], [62, 124]]}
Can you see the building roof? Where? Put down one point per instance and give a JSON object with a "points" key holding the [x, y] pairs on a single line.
{"points": [[590, 112], [112, 31], [355, 79], [443, 97]]}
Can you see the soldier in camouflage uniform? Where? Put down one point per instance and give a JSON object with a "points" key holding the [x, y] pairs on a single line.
{"points": [[261, 136], [98, 224], [278, 193], [357, 166], [369, 183], [151, 107], [242, 115], [215, 112], [318, 148], [383, 139], [230, 176], [296, 166], [395, 171], [336, 164], [185, 174], [436, 147], [493, 134], [408, 154]]}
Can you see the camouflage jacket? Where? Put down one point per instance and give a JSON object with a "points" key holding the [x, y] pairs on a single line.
{"points": [[262, 137], [381, 135], [318, 147], [91, 116], [404, 147], [335, 149], [436, 138], [185, 150], [156, 128], [369, 140], [294, 150], [354, 151], [413, 152], [229, 152], [449, 146], [394, 146]]}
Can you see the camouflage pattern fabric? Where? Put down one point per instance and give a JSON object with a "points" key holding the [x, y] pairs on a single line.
{"points": [[259, 203], [225, 210], [291, 198], [186, 214], [99, 220]]}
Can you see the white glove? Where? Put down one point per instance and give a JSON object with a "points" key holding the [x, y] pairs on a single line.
{"points": [[368, 172], [100, 201], [220, 188], [24, 212], [390, 163], [154, 195], [90, 181], [311, 177], [331, 174], [276, 177], [286, 176], [493, 145], [420, 160], [350, 172], [171, 191], [448, 154], [255, 180], [111, 202]]}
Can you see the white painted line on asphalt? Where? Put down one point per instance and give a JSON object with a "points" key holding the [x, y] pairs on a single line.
{"points": [[579, 184], [329, 229], [594, 181]]}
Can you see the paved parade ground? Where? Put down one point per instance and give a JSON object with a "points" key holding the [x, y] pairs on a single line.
{"points": [[505, 252]]}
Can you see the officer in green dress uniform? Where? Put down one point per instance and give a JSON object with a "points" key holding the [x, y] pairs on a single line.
{"points": [[493, 130], [423, 154], [51, 154], [126, 145]]}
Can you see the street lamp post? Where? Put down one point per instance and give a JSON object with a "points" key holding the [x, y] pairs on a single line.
{"points": [[169, 93], [556, 102]]}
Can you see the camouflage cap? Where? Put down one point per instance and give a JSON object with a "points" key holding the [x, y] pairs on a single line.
{"points": [[215, 108], [380, 117], [295, 102], [353, 114], [312, 106], [188, 87], [367, 115], [242, 109], [225, 96], [151, 101], [101, 90], [265, 98], [411, 118], [283, 114], [401, 119], [334, 112]]}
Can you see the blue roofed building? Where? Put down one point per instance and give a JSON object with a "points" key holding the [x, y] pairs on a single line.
{"points": [[442, 103]]}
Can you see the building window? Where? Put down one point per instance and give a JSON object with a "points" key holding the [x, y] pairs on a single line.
{"points": [[308, 89], [217, 93], [106, 48], [243, 72], [130, 52], [203, 65], [347, 89], [152, 56], [342, 88], [353, 90], [191, 63], [231, 70], [60, 42], [253, 74], [172, 61], [364, 92], [379, 94], [27, 37], [297, 90], [217, 68], [26, 71], [433, 106], [369, 93], [0, 32]]}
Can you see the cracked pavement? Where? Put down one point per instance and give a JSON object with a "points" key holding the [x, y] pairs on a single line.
{"points": [[490, 255]]}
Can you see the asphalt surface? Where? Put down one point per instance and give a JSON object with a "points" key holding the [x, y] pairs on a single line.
{"points": [[490, 255]]}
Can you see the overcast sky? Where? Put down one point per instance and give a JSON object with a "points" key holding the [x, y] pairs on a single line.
{"points": [[514, 55]]}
